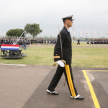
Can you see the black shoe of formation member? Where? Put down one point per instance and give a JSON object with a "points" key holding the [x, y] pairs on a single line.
{"points": [[78, 97]]}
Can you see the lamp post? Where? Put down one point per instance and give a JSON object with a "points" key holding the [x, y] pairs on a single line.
{"points": [[87, 34], [107, 34], [94, 34], [100, 33], [73, 33], [80, 34]]}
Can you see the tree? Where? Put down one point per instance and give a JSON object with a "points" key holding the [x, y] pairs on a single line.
{"points": [[15, 32], [33, 29]]}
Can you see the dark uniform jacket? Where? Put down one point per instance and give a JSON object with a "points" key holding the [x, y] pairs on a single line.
{"points": [[66, 46]]}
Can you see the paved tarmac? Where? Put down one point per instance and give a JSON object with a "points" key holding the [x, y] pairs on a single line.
{"points": [[24, 86]]}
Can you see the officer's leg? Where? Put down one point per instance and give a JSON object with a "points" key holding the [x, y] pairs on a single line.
{"points": [[56, 78], [70, 80]]}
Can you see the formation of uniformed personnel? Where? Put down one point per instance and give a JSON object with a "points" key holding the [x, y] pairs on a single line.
{"points": [[63, 55], [1, 41], [88, 41], [91, 42], [99, 41], [13, 40], [44, 41]]}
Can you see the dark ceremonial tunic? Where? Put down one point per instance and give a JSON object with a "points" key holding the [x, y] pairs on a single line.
{"points": [[66, 46], [67, 55]]}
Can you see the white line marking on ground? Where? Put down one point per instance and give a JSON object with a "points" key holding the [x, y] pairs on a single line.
{"points": [[12, 64]]}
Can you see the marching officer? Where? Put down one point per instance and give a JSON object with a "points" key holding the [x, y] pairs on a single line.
{"points": [[62, 56]]}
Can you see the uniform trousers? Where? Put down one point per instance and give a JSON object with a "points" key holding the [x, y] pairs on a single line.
{"points": [[67, 70]]}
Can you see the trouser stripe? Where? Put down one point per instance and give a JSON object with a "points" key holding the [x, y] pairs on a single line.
{"points": [[70, 81]]}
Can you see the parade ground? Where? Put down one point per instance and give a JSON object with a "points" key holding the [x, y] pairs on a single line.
{"points": [[24, 86]]}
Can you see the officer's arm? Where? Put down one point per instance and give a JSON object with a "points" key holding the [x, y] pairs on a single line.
{"points": [[57, 49]]}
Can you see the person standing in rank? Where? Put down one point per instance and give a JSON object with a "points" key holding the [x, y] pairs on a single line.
{"points": [[63, 56], [24, 43]]}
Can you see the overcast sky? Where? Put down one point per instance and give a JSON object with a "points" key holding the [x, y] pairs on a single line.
{"points": [[89, 15]]}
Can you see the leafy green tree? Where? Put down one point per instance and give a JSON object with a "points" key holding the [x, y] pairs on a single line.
{"points": [[33, 29], [15, 32]]}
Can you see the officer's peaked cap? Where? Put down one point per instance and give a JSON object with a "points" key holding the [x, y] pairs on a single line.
{"points": [[68, 17]]}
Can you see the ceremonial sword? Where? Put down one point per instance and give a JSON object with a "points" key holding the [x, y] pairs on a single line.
{"points": [[60, 43], [61, 49]]}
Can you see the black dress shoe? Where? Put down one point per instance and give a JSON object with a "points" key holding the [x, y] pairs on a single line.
{"points": [[52, 92], [78, 97]]}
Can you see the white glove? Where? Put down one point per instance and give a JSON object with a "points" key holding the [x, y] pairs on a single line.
{"points": [[61, 63]]}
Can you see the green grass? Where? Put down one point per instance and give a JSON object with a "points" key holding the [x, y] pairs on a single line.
{"points": [[92, 56], [35, 56]]}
